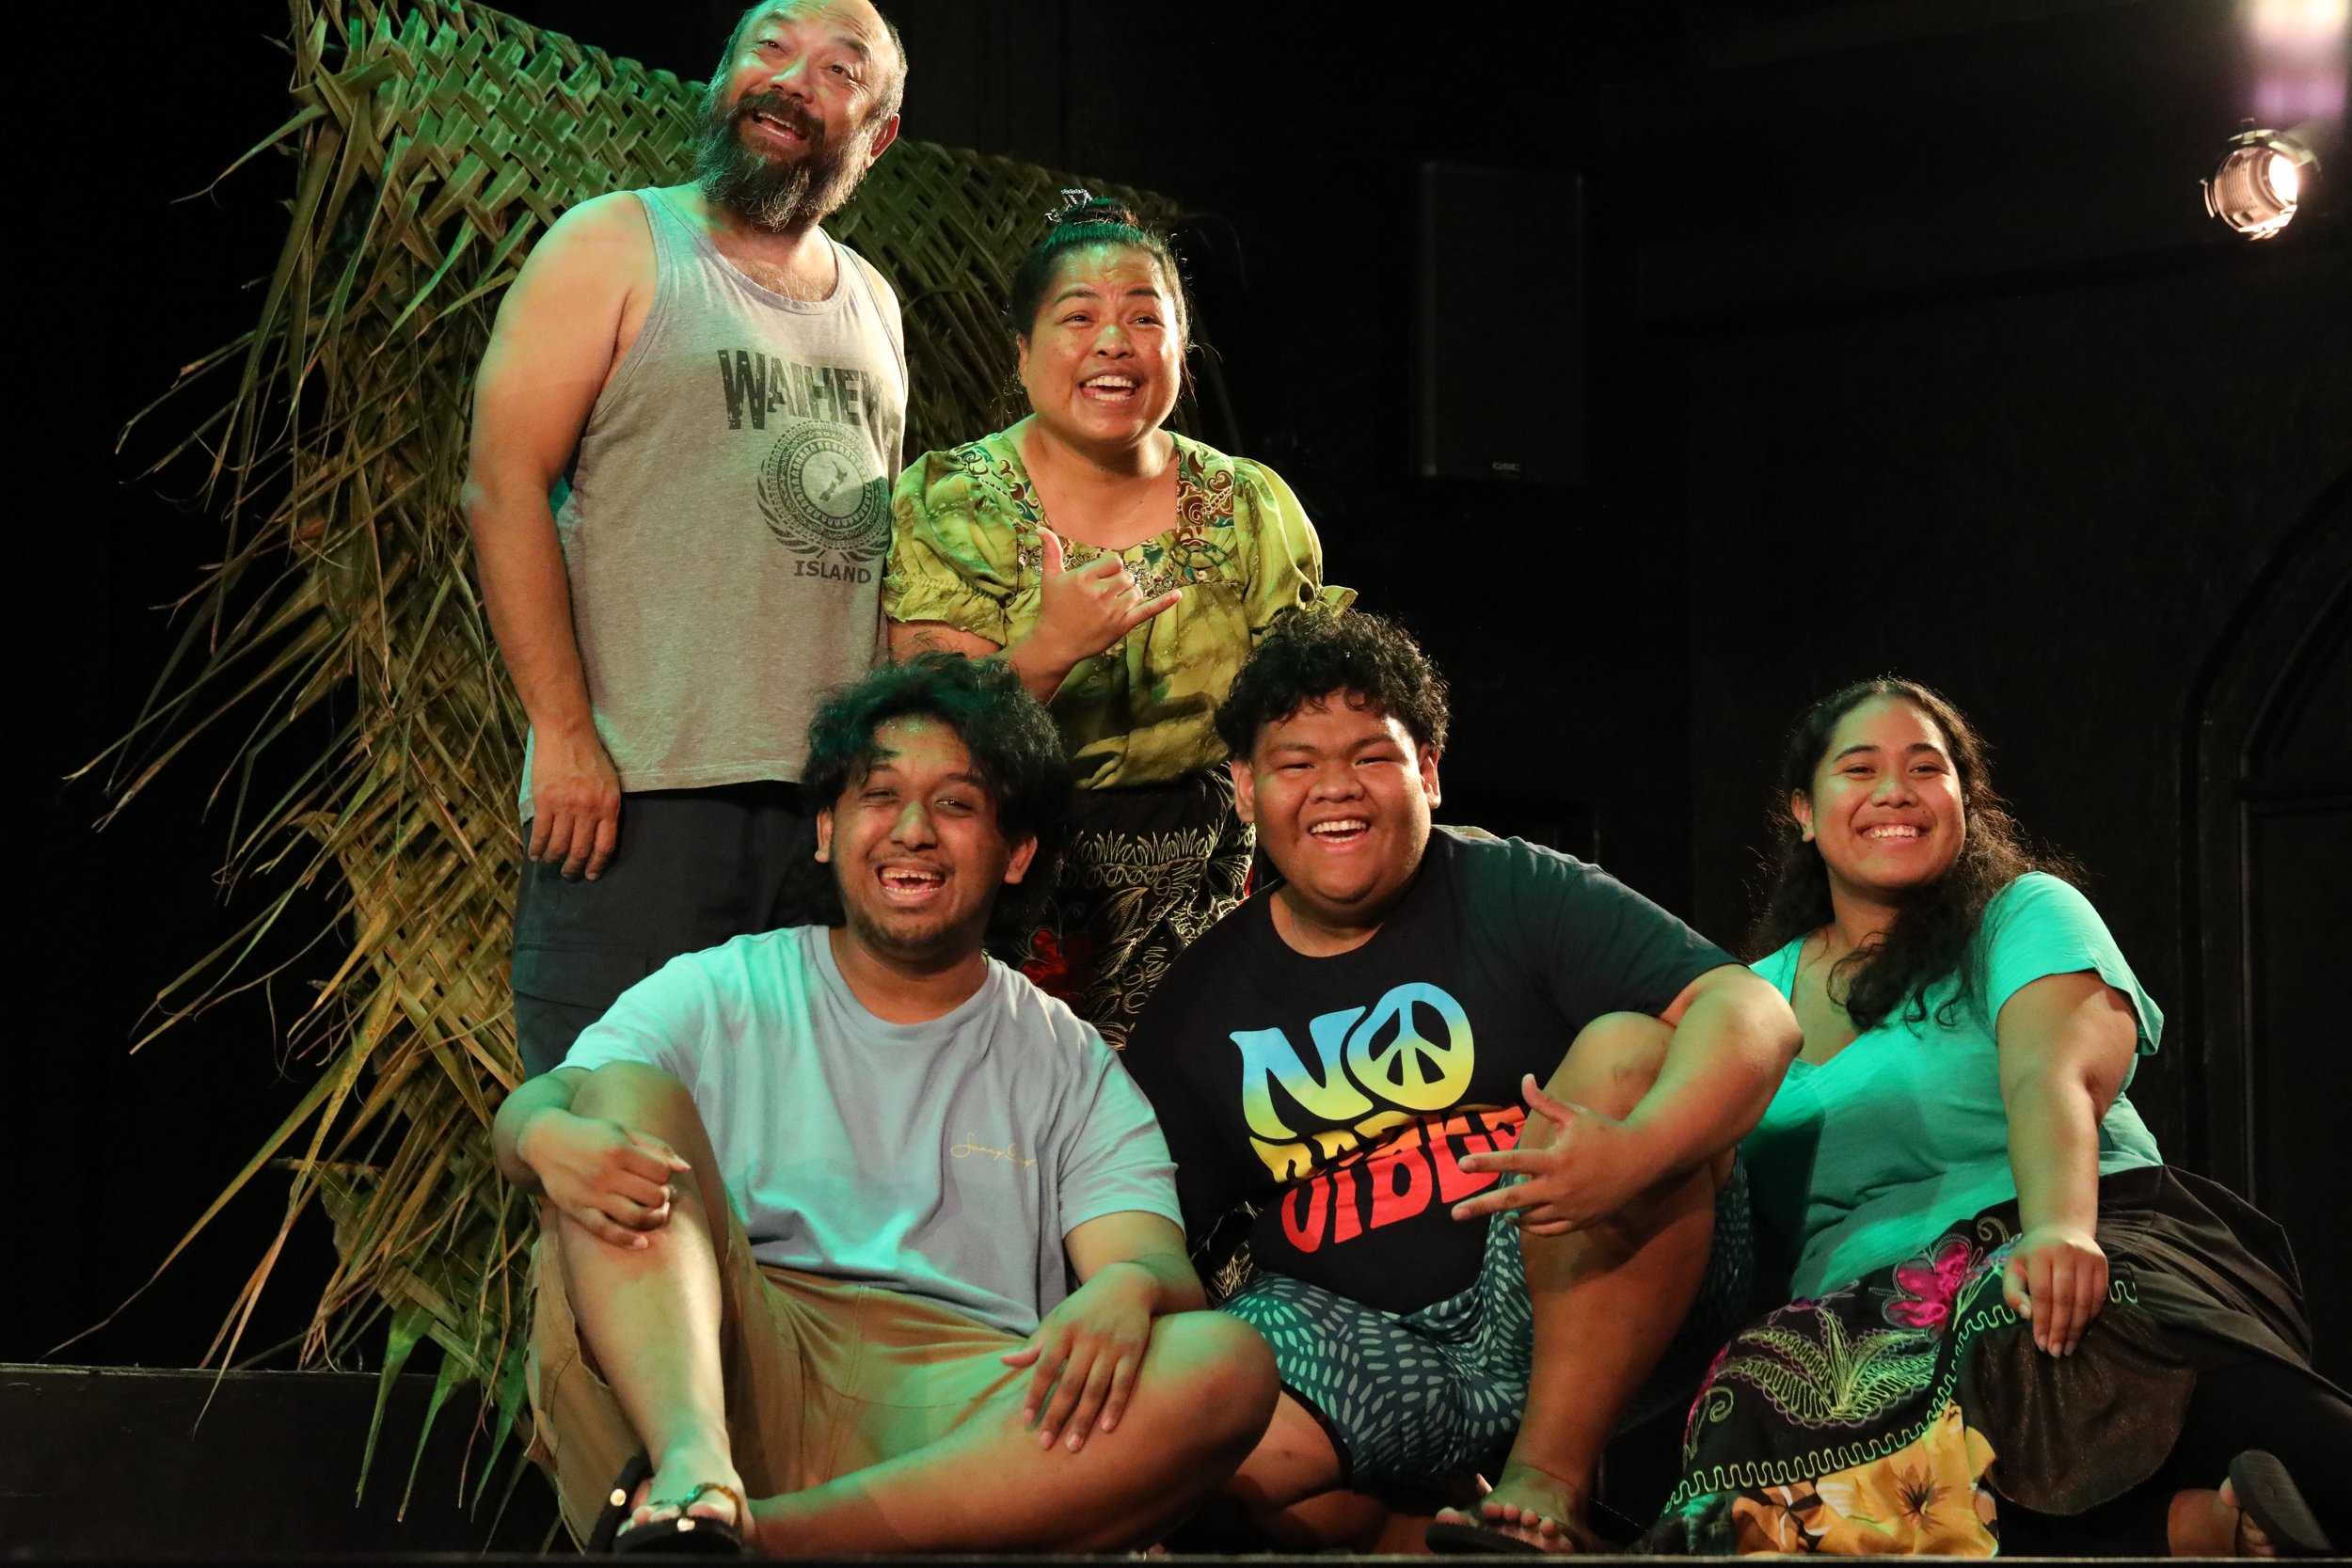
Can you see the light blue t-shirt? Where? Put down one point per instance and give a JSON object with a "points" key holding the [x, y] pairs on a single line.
{"points": [[947, 1159], [1874, 1153]]}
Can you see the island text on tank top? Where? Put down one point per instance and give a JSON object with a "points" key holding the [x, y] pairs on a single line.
{"points": [[728, 513]]}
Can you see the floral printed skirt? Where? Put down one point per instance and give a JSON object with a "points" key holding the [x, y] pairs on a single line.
{"points": [[1149, 867], [1896, 1414]]}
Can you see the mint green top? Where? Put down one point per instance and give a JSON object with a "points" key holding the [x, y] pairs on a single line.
{"points": [[963, 550], [1874, 1153]]}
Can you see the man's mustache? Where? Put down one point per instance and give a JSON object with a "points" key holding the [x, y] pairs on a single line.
{"points": [[784, 111]]}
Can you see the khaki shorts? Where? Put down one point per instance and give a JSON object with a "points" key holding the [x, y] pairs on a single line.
{"points": [[823, 1378]]}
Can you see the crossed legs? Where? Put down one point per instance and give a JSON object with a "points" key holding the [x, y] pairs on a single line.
{"points": [[653, 1319], [1606, 1302]]}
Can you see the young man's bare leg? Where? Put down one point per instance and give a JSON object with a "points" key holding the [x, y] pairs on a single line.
{"points": [[650, 1316], [1202, 1399], [1289, 1490], [1289, 1486], [1606, 1300]]}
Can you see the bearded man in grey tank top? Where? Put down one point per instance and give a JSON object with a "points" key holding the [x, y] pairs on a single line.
{"points": [[685, 428]]}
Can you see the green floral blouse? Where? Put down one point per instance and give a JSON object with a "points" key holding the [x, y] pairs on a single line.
{"points": [[963, 550]]}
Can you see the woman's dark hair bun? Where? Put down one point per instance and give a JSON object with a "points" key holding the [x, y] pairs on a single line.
{"points": [[1084, 219], [1079, 206]]}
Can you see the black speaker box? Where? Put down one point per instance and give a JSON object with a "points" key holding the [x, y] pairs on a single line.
{"points": [[1500, 370]]}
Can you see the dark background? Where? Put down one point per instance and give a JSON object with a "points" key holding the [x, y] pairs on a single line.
{"points": [[1906, 346]]}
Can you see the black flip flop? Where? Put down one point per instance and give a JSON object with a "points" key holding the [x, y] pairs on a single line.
{"points": [[625, 1485], [1454, 1538], [686, 1534], [2268, 1495]]}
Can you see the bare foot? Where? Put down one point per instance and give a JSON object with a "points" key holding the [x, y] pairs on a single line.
{"points": [[696, 1481], [1533, 1506], [2203, 1522]]}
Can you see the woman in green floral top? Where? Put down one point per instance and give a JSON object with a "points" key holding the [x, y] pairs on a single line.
{"points": [[1127, 615]]}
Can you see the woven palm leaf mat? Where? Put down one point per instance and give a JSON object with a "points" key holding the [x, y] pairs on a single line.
{"points": [[432, 143]]}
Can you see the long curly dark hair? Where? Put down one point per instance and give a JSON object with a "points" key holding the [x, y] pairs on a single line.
{"points": [[1931, 936]]}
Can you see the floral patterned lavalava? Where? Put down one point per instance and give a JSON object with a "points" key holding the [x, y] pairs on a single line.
{"points": [[1926, 1287], [1927, 1497]]}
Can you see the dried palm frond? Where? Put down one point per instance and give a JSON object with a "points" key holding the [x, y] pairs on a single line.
{"points": [[433, 143]]}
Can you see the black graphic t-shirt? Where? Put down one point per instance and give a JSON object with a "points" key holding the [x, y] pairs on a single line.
{"points": [[1340, 1094]]}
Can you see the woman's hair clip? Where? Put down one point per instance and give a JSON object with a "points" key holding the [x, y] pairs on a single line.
{"points": [[1080, 205]]}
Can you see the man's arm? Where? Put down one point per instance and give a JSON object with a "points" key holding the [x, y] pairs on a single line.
{"points": [[555, 343], [1734, 1038], [614, 1179], [550, 1091], [1213, 1177], [1143, 1241], [1089, 1349], [909, 637]]}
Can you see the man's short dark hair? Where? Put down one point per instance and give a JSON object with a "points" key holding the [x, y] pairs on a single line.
{"points": [[1311, 655], [1015, 748]]}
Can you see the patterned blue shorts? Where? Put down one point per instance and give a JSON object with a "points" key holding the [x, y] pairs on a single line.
{"points": [[1410, 1397]]}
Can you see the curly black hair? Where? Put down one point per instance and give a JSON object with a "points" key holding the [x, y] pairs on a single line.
{"points": [[1931, 936], [1311, 654], [1014, 742]]}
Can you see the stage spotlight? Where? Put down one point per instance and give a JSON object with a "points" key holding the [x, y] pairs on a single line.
{"points": [[2259, 182]]}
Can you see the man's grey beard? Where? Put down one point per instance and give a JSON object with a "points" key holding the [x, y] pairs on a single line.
{"points": [[772, 193]]}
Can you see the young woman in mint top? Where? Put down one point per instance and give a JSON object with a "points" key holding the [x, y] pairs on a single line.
{"points": [[2015, 1326]]}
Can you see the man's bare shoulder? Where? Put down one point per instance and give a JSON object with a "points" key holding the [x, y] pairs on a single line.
{"points": [[594, 263], [573, 311], [610, 226]]}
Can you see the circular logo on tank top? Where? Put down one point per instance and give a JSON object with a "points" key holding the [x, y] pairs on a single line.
{"points": [[821, 495]]}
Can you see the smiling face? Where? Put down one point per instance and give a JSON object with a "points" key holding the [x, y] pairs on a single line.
{"points": [[795, 117], [1341, 798], [916, 848], [1884, 809], [1104, 358]]}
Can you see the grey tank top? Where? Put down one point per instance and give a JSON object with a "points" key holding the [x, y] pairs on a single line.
{"points": [[728, 511]]}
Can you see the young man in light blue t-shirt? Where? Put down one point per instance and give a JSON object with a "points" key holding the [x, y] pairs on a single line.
{"points": [[812, 1202]]}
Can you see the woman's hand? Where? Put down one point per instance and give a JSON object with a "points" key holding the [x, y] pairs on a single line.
{"points": [[2056, 1281], [612, 1179], [1586, 1172], [1087, 1353], [1081, 613], [2066, 1043]]}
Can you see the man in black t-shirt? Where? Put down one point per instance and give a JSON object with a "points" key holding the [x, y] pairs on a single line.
{"points": [[1363, 1055]]}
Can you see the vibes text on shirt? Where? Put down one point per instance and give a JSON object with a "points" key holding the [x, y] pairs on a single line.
{"points": [[1387, 1097]]}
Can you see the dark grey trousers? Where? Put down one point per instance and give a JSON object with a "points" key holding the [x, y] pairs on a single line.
{"points": [[694, 868]]}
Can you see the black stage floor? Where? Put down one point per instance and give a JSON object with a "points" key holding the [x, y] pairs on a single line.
{"points": [[124, 1465]]}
